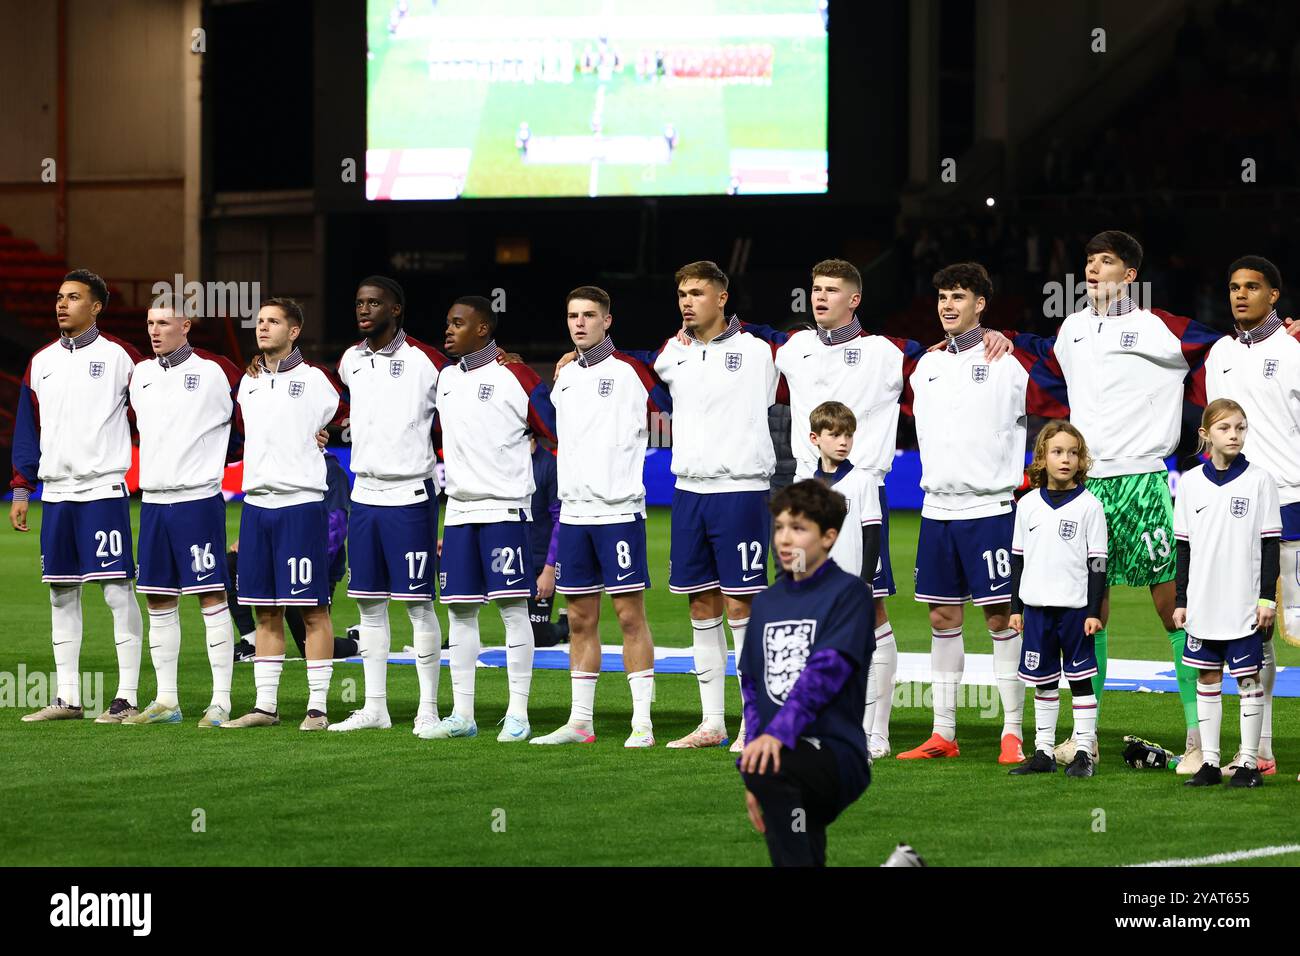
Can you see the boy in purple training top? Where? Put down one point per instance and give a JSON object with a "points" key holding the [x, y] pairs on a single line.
{"points": [[804, 682]]}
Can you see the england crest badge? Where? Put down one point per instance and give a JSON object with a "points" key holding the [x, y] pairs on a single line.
{"points": [[296, 389], [1240, 506], [396, 367], [1270, 368], [979, 373], [1068, 529], [1128, 340], [732, 361], [605, 388], [485, 392], [191, 382], [786, 646], [852, 356], [96, 369]]}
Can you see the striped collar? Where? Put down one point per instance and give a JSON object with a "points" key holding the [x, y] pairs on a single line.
{"points": [[967, 340], [733, 326], [82, 340], [398, 341], [484, 356], [1121, 306], [176, 357], [597, 353], [839, 336], [290, 361], [1262, 331]]}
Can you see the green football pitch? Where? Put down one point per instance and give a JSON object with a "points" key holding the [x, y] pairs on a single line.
{"points": [[77, 793], [409, 110]]}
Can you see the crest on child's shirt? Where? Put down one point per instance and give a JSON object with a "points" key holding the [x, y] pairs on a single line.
{"points": [[852, 356], [1068, 529], [442, 580], [1270, 368], [191, 382], [979, 373], [733, 361], [1193, 643], [786, 646], [485, 392], [1240, 506], [1128, 340], [396, 367], [296, 389], [96, 369], [605, 388], [1031, 660]]}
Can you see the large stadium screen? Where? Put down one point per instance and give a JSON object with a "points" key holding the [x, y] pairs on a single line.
{"points": [[527, 98]]}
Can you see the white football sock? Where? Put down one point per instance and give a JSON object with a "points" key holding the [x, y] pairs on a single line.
{"points": [[1209, 710], [1085, 723], [584, 697], [1006, 665], [128, 635], [738, 628], [463, 644], [711, 670], [428, 654], [520, 645], [947, 664], [219, 636], [885, 662], [1047, 708], [374, 641], [1267, 680], [266, 678], [642, 685], [1252, 716], [869, 712], [318, 683], [65, 636], [165, 650]]}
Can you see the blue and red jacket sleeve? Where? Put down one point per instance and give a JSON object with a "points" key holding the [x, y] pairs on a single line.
{"points": [[136, 358], [234, 374], [775, 340], [912, 352], [1196, 340], [27, 437], [541, 413], [645, 357], [768, 334], [658, 398], [341, 414], [1047, 395], [440, 361]]}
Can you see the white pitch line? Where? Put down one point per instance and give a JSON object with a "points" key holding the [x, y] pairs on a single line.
{"points": [[1217, 858]]}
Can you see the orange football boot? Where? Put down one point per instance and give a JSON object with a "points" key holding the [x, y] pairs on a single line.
{"points": [[1011, 750], [936, 746]]}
